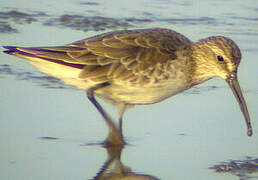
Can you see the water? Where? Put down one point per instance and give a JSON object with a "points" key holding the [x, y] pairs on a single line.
{"points": [[45, 125]]}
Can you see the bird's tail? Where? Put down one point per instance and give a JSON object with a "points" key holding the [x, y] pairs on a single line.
{"points": [[57, 54], [54, 61]]}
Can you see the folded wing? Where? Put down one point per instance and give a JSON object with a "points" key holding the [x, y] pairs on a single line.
{"points": [[134, 56]]}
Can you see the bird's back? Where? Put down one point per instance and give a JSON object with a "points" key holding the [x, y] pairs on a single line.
{"points": [[140, 66]]}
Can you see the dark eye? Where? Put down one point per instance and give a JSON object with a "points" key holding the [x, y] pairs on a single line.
{"points": [[220, 58]]}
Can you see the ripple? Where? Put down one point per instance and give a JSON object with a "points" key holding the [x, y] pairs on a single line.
{"points": [[42, 80]]}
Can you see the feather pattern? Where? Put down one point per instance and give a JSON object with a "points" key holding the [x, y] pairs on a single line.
{"points": [[129, 56]]}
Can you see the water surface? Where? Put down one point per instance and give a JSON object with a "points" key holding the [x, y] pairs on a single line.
{"points": [[45, 126]]}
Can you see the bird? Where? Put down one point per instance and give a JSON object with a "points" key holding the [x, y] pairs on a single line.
{"points": [[138, 67]]}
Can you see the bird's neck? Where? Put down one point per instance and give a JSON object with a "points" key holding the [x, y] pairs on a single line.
{"points": [[202, 70]]}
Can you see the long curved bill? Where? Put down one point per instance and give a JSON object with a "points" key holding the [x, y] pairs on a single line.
{"points": [[234, 85]]}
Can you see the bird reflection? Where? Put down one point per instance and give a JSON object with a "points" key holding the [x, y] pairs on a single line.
{"points": [[113, 168]]}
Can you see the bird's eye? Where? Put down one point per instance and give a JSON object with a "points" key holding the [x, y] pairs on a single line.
{"points": [[220, 58]]}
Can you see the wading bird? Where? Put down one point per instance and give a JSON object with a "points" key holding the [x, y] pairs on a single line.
{"points": [[134, 67]]}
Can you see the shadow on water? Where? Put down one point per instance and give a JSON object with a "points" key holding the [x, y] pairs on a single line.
{"points": [[244, 169]]}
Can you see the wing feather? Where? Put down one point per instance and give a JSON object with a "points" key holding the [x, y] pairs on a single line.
{"points": [[55, 53], [136, 56], [112, 42]]}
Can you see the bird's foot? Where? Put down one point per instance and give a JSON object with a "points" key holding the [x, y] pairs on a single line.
{"points": [[115, 138]]}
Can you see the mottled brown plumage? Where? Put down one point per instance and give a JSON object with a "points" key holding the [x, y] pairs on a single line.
{"points": [[138, 67]]}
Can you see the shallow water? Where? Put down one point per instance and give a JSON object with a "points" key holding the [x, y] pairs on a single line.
{"points": [[45, 126]]}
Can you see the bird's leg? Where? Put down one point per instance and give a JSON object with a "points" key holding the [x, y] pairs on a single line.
{"points": [[115, 136], [121, 110]]}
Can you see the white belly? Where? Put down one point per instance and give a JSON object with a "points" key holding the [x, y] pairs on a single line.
{"points": [[143, 95]]}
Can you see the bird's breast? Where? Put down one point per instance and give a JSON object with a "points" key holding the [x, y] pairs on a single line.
{"points": [[146, 94]]}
